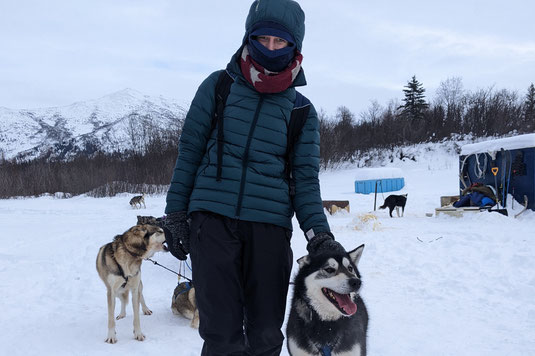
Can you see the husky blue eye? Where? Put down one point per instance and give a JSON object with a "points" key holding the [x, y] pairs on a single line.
{"points": [[350, 269]]}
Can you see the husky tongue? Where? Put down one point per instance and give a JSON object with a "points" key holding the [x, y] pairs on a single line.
{"points": [[345, 302]]}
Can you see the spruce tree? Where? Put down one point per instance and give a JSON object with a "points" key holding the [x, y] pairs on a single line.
{"points": [[415, 104], [529, 109]]}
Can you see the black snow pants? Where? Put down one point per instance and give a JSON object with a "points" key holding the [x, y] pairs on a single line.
{"points": [[241, 271]]}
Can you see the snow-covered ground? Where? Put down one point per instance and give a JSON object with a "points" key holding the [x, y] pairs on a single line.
{"points": [[432, 285]]}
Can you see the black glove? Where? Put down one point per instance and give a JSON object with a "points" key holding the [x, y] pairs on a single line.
{"points": [[322, 242], [176, 229]]}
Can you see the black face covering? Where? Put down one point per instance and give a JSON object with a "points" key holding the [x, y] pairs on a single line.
{"points": [[276, 60]]}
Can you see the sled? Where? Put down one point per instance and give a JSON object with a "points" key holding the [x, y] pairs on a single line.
{"points": [[502, 211], [525, 206], [460, 212], [456, 212], [448, 200]]}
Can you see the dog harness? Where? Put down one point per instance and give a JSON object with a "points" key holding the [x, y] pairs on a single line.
{"points": [[121, 271], [125, 276], [326, 350], [188, 286]]}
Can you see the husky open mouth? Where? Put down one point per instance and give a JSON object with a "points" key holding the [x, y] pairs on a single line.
{"points": [[343, 302]]}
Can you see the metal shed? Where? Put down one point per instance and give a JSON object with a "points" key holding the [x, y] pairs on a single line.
{"points": [[513, 160]]}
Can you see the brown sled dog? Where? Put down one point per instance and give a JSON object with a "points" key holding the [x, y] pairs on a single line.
{"points": [[183, 303], [119, 267]]}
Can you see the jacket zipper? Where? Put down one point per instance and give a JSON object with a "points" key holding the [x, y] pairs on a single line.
{"points": [[245, 160]]}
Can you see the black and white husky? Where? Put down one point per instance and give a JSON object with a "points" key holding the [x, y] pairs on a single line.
{"points": [[327, 316], [395, 201]]}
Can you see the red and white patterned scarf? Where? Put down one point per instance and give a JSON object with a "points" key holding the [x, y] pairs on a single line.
{"points": [[265, 81]]}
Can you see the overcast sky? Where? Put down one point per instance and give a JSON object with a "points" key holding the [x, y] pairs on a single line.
{"points": [[56, 52]]}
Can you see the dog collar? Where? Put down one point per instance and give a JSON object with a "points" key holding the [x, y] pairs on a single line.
{"points": [[188, 287], [134, 254], [121, 273], [126, 277], [326, 350]]}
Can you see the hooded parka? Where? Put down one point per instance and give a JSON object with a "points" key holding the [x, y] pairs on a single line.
{"points": [[253, 184]]}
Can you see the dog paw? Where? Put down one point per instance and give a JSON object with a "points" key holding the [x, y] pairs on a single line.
{"points": [[120, 316], [139, 336], [111, 339], [147, 311]]}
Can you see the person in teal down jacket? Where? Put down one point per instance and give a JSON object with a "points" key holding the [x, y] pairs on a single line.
{"points": [[233, 213]]}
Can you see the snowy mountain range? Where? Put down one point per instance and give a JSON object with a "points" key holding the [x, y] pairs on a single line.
{"points": [[111, 123]]}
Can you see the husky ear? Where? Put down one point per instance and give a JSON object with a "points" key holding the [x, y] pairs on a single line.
{"points": [[355, 254], [303, 261]]}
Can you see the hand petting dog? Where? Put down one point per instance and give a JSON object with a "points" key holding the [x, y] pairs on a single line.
{"points": [[177, 232], [323, 241]]}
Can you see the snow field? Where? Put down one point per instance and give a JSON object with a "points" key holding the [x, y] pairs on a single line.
{"points": [[432, 285]]}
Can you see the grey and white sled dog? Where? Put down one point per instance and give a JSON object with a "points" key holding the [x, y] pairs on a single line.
{"points": [[136, 201], [119, 267], [327, 316]]}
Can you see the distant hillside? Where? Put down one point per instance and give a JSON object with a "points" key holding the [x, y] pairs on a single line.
{"points": [[121, 121]]}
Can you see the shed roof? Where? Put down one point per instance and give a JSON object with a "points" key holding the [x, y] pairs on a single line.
{"points": [[508, 143]]}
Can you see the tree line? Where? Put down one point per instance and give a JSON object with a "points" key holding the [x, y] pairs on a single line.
{"points": [[148, 166], [480, 113]]}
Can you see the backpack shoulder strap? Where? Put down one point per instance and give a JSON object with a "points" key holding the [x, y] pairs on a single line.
{"points": [[222, 89], [298, 119]]}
